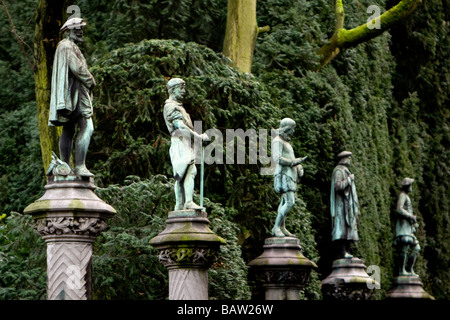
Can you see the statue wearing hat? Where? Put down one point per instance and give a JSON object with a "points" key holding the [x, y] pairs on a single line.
{"points": [[71, 96], [344, 206], [181, 151], [405, 229], [288, 172]]}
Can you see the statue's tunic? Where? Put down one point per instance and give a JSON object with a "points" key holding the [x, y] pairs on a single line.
{"points": [[286, 177], [404, 228], [71, 83], [181, 147], [344, 205]]}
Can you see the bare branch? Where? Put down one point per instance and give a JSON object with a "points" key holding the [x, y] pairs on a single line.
{"points": [[20, 41]]}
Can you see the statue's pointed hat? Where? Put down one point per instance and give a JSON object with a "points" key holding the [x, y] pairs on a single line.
{"points": [[72, 24]]}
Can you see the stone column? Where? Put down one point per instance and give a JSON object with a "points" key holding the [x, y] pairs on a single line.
{"points": [[408, 287], [187, 247], [69, 217], [282, 268], [348, 281]]}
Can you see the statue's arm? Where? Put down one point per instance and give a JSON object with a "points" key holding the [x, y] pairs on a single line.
{"points": [[80, 71], [277, 154], [400, 207], [340, 182]]}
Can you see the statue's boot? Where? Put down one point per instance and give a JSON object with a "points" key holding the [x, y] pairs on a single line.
{"points": [[284, 230], [82, 171], [193, 205], [276, 230]]}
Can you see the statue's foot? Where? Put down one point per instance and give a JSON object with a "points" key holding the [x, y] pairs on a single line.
{"points": [[287, 233], [82, 171], [348, 255], [193, 205], [178, 207], [277, 232]]}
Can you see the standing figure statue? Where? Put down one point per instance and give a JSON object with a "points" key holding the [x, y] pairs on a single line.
{"points": [[344, 206], [405, 229], [71, 96], [182, 155], [288, 172]]}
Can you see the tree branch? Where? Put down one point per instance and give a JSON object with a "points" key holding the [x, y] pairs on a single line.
{"points": [[343, 38], [362, 33], [20, 41]]}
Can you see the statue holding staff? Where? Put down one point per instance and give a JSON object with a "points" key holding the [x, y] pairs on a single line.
{"points": [[181, 151]]}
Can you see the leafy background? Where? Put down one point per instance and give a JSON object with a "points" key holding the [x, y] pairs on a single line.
{"points": [[385, 100]]}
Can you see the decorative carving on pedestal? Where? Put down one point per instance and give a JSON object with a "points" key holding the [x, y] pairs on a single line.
{"points": [[70, 225], [187, 256], [282, 269], [187, 248]]}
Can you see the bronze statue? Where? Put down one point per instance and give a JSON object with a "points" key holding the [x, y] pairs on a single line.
{"points": [[405, 229], [344, 206], [182, 155], [71, 96], [288, 172]]}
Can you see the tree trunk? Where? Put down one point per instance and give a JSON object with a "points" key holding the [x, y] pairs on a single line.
{"points": [[241, 32], [50, 16]]}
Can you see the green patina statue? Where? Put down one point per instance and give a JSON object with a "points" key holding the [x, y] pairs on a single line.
{"points": [[344, 206], [288, 172], [181, 151], [405, 229], [71, 96]]}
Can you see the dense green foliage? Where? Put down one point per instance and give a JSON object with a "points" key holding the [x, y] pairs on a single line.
{"points": [[385, 100]]}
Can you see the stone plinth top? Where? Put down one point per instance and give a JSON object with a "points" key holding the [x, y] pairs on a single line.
{"points": [[69, 194], [346, 270], [408, 287], [187, 227], [282, 251]]}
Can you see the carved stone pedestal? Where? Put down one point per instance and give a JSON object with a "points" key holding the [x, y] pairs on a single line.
{"points": [[408, 287], [348, 281], [282, 268], [187, 247], [69, 217]]}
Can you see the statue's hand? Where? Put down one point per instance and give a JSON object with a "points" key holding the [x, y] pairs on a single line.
{"points": [[352, 177], [205, 137]]}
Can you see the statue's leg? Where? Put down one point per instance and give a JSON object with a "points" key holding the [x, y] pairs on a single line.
{"points": [[178, 196], [404, 248], [82, 145], [290, 201], [287, 202], [412, 259], [66, 142], [189, 188]]}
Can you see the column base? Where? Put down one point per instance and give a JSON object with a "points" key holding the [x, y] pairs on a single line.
{"points": [[408, 287], [347, 281], [69, 217], [282, 269], [187, 247]]}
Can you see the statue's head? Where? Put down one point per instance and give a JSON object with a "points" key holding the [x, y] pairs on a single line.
{"points": [[287, 128], [176, 88], [345, 157], [73, 29], [407, 184]]}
